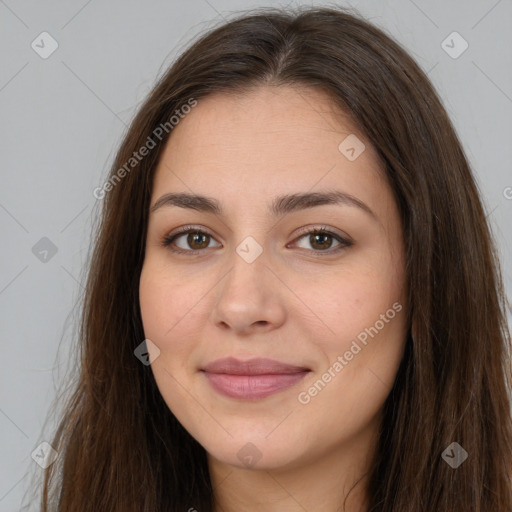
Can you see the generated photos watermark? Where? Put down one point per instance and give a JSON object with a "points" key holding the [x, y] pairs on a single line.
{"points": [[305, 397], [145, 149]]}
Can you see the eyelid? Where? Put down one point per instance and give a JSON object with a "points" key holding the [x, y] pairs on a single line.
{"points": [[324, 228], [191, 227]]}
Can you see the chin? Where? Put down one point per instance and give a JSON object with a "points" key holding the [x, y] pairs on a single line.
{"points": [[253, 452]]}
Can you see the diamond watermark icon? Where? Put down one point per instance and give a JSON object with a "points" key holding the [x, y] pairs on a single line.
{"points": [[44, 45], [454, 45], [44, 250], [146, 352], [249, 249], [45, 455], [249, 455], [351, 147], [454, 455]]}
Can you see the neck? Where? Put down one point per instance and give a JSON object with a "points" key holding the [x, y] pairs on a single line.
{"points": [[326, 482]]}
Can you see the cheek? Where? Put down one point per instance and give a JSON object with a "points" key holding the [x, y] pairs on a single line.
{"points": [[155, 302], [165, 307], [167, 320], [352, 299], [366, 317], [362, 308]]}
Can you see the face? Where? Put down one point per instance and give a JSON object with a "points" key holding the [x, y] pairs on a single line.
{"points": [[277, 322]]}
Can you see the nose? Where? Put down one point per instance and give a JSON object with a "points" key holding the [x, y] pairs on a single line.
{"points": [[250, 298]]}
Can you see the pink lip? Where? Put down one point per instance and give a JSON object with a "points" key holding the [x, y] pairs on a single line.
{"points": [[252, 379]]}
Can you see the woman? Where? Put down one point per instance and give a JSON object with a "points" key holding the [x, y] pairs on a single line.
{"points": [[294, 301]]}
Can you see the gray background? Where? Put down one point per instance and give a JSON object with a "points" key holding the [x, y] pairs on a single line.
{"points": [[61, 121]]}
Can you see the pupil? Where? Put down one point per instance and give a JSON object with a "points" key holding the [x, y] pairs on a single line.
{"points": [[195, 237], [322, 235]]}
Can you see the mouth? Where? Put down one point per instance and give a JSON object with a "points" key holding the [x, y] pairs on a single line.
{"points": [[253, 379]]}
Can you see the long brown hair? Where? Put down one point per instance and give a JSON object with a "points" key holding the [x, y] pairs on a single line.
{"points": [[121, 448]]}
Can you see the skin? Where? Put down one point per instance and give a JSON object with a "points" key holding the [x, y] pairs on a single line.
{"points": [[295, 303]]}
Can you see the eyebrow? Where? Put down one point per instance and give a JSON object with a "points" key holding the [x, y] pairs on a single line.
{"points": [[281, 205]]}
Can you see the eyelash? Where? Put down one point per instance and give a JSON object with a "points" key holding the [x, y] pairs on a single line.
{"points": [[322, 230]]}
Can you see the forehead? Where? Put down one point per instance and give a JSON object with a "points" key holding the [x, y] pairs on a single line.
{"points": [[265, 140], [306, 120]]}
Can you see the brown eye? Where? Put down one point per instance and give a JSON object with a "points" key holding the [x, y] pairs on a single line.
{"points": [[195, 240], [321, 240]]}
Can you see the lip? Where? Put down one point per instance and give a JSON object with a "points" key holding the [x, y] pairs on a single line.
{"points": [[252, 379]]}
